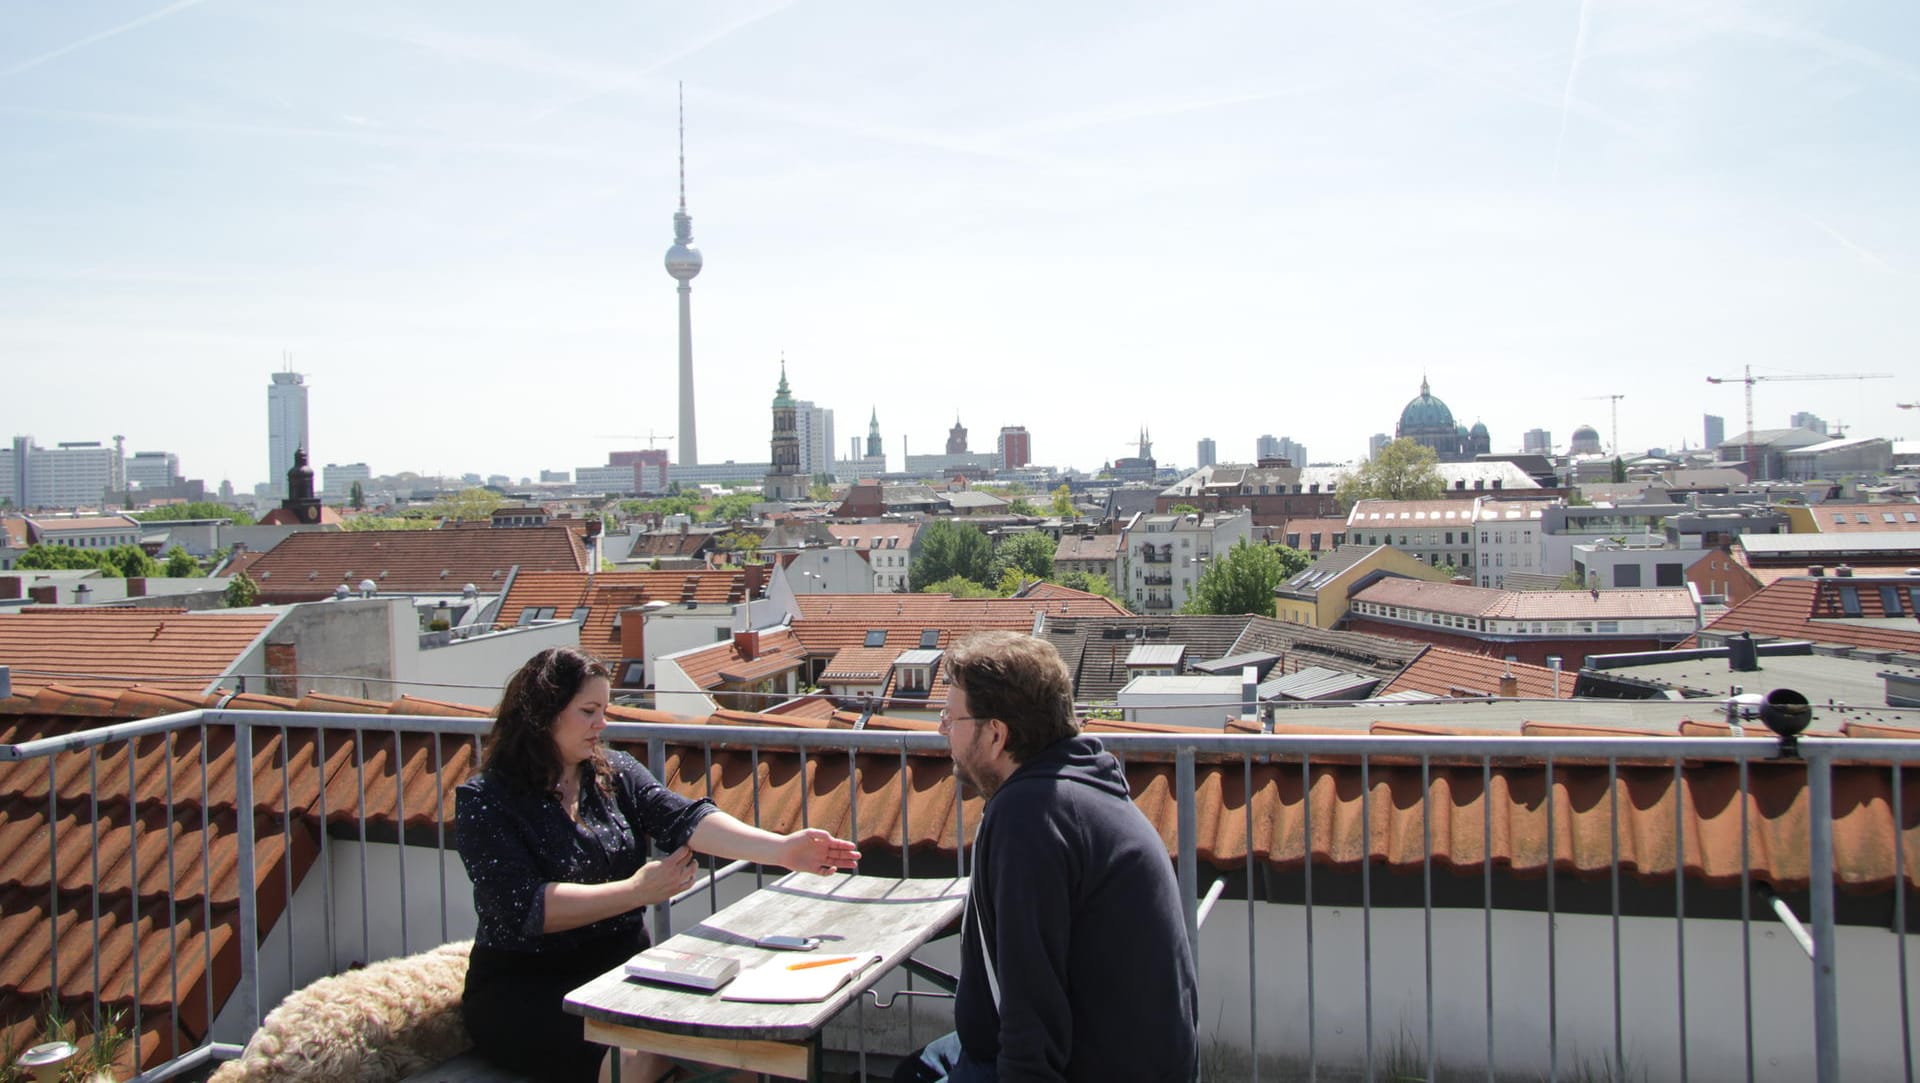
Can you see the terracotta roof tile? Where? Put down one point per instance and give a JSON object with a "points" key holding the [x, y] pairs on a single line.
{"points": [[308, 566], [1444, 671], [1805, 607], [117, 648], [706, 667], [1494, 604], [861, 664], [605, 594]]}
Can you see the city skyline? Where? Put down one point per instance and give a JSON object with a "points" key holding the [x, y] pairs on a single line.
{"points": [[1534, 206]]}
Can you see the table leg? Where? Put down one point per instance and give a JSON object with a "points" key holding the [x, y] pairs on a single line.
{"points": [[787, 1060]]}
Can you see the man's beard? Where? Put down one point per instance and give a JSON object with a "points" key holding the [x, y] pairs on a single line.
{"points": [[970, 779]]}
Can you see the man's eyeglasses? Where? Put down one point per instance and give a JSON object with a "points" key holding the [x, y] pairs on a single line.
{"points": [[949, 719]]}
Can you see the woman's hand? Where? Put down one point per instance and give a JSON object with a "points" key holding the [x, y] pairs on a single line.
{"points": [[814, 850], [658, 881]]}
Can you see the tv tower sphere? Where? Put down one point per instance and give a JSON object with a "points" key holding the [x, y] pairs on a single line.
{"points": [[683, 260]]}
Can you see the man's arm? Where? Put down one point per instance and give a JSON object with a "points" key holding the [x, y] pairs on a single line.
{"points": [[1034, 877]]}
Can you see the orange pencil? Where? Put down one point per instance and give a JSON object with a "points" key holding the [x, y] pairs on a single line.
{"points": [[810, 963]]}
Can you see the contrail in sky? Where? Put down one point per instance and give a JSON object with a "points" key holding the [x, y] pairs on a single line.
{"points": [[1566, 96], [152, 16]]}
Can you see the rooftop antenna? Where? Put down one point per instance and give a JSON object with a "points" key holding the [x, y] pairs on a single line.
{"points": [[682, 90]]}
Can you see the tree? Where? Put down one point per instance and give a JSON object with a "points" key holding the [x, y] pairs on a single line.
{"points": [[1619, 470], [820, 492], [733, 507], [472, 503], [960, 587], [1091, 582], [1183, 509], [1023, 507], [242, 591], [1063, 503], [1030, 553], [133, 561], [948, 549], [356, 497], [744, 544], [181, 565], [45, 557], [388, 522], [1403, 470], [197, 509], [1242, 580]]}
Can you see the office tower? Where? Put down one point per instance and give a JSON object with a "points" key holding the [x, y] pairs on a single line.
{"points": [[1205, 455], [683, 263], [1716, 430], [286, 428], [153, 469], [1812, 422], [1536, 442], [1266, 447], [1375, 442], [815, 427], [1016, 449]]}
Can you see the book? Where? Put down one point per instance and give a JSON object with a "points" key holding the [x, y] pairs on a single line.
{"points": [[787, 980], [689, 968]]}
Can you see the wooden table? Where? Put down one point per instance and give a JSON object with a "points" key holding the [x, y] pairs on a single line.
{"points": [[850, 913]]}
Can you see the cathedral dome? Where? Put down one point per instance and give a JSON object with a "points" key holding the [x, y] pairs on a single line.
{"points": [[1586, 441], [1479, 428], [1426, 414]]}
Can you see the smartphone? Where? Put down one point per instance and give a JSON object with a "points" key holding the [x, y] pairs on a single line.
{"points": [[788, 943]]}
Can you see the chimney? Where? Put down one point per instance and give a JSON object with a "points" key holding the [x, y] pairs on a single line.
{"points": [[1509, 685], [1844, 571], [9, 587], [633, 632], [82, 594], [1742, 655], [47, 595], [747, 642], [1817, 570], [137, 586]]}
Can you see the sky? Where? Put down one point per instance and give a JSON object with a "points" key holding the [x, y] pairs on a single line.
{"points": [[1206, 219]]}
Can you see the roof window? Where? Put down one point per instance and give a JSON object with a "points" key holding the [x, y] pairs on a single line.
{"points": [[929, 638], [876, 637]]}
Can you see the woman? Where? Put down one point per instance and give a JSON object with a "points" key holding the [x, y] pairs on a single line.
{"points": [[551, 833]]}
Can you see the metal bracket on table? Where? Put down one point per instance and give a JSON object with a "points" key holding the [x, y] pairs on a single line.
{"points": [[947, 982]]}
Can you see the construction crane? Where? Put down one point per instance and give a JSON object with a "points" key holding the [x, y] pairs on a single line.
{"points": [[1615, 446], [648, 436], [1748, 378]]}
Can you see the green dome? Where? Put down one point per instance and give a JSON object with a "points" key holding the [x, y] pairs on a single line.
{"points": [[1426, 414], [1480, 428]]}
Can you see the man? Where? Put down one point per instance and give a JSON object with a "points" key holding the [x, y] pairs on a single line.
{"points": [[1074, 956]]}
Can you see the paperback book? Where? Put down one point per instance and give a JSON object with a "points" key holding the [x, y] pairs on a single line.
{"points": [[797, 982], [691, 969]]}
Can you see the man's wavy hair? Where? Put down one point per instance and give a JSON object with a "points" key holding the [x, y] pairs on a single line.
{"points": [[520, 748], [1019, 680]]}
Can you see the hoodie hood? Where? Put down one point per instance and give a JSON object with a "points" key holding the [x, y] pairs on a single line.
{"points": [[1079, 759]]}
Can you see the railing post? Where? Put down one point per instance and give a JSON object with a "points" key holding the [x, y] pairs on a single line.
{"points": [[1826, 1000], [662, 912], [1189, 858], [248, 992]]}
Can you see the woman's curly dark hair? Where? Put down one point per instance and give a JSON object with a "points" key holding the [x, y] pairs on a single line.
{"points": [[520, 748]]}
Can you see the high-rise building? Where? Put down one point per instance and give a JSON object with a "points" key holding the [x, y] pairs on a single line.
{"points": [[1294, 453], [1205, 454], [153, 469], [1536, 442], [815, 426], [69, 475], [785, 480], [683, 263], [286, 428], [336, 480], [1811, 422], [1716, 427], [1267, 447], [1376, 442], [1015, 447]]}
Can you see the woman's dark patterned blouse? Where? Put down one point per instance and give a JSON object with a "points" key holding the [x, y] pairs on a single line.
{"points": [[515, 842]]}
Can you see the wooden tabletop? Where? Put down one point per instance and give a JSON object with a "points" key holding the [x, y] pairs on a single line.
{"points": [[849, 913]]}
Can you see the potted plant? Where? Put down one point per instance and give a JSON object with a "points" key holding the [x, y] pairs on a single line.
{"points": [[60, 1058]]}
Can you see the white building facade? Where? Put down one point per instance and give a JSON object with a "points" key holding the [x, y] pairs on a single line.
{"points": [[1165, 555], [1506, 539], [286, 428]]}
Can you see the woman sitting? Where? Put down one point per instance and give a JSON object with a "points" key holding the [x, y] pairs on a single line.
{"points": [[553, 831]]}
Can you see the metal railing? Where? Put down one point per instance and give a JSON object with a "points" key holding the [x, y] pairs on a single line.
{"points": [[1550, 997]]}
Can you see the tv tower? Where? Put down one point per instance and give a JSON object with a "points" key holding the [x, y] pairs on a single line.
{"points": [[684, 262]]}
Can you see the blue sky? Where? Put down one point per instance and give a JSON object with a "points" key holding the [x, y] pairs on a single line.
{"points": [[1212, 220]]}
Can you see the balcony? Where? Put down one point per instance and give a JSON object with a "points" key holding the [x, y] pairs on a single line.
{"points": [[1157, 554], [1159, 580], [1585, 907], [1156, 604]]}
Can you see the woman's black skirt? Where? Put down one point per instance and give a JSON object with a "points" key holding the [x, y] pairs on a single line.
{"points": [[513, 1007]]}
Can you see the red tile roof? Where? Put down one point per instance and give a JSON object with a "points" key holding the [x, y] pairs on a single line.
{"points": [[605, 594], [861, 664], [308, 566], [119, 648], [86, 522], [866, 535], [1831, 518], [936, 610], [1806, 607], [1098, 547], [1443, 671], [722, 663]]}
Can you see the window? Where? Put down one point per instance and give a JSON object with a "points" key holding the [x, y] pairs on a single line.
{"points": [[1669, 575], [1609, 626], [1850, 601], [1840, 518], [1890, 601], [929, 638], [1626, 575], [876, 637]]}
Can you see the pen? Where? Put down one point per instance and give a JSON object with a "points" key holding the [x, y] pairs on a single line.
{"points": [[821, 962]]}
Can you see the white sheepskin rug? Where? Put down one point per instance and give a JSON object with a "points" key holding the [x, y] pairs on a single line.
{"points": [[375, 1025]]}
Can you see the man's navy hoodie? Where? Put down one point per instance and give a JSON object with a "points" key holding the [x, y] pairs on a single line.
{"points": [[1077, 900]]}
